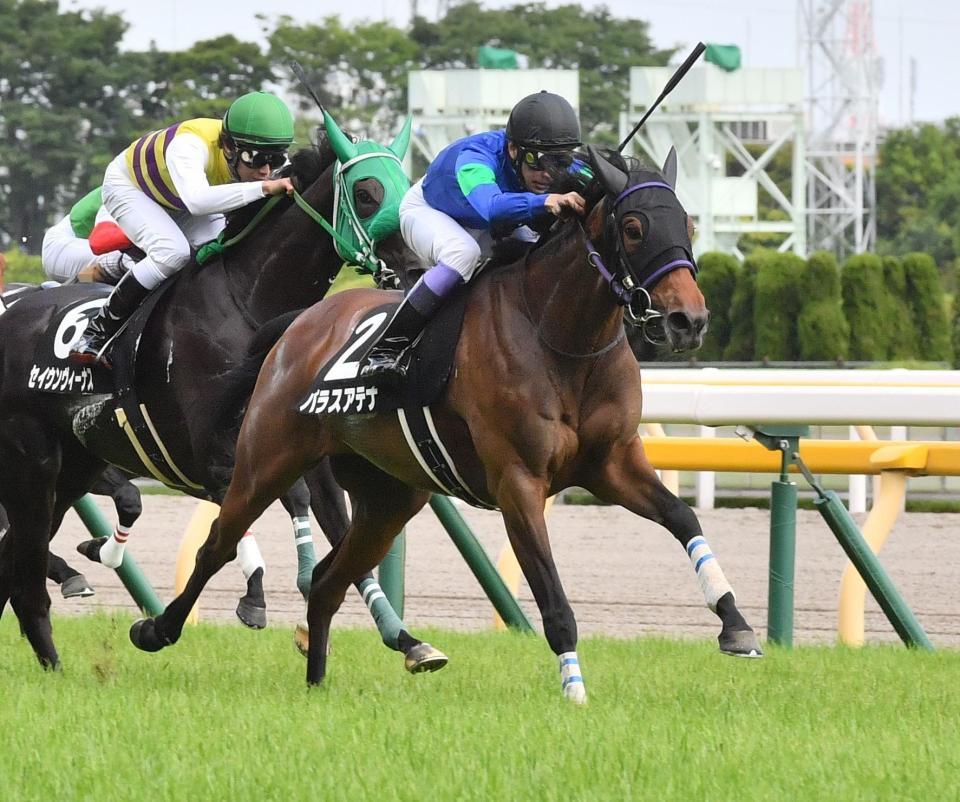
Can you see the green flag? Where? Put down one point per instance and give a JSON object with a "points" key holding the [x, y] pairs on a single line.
{"points": [[726, 57], [496, 58]]}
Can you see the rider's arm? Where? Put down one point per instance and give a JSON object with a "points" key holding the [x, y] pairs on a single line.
{"points": [[186, 159], [477, 179]]}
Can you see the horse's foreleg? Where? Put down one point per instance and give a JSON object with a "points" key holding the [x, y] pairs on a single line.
{"points": [[522, 500], [251, 491], [381, 507], [628, 479]]}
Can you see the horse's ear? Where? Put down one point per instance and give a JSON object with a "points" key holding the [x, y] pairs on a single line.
{"points": [[670, 167], [399, 145], [342, 146], [614, 180]]}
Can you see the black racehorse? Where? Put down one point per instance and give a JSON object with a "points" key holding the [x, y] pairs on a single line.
{"points": [[53, 446]]}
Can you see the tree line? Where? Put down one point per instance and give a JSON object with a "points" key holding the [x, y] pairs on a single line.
{"points": [[70, 99]]}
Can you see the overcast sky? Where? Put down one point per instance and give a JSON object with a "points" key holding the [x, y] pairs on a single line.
{"points": [[926, 31]]}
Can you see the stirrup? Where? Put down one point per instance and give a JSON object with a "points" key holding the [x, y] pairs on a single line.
{"points": [[386, 364]]}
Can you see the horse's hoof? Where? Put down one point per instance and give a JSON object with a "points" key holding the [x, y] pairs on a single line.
{"points": [[143, 635], [301, 637], [423, 657], [91, 548], [576, 692], [252, 615], [76, 587], [740, 643]]}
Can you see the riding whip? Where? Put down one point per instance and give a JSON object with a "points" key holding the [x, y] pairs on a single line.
{"points": [[671, 84], [301, 76]]}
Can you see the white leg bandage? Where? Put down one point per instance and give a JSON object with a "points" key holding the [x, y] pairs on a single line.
{"points": [[571, 678], [709, 574], [111, 552], [249, 556]]}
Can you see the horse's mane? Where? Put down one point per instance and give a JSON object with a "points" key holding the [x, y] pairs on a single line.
{"points": [[593, 194], [306, 166]]}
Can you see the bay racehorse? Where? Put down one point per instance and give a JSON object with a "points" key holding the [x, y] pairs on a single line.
{"points": [[544, 394], [53, 445]]}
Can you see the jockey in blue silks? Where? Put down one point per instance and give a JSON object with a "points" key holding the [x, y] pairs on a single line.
{"points": [[480, 188]]}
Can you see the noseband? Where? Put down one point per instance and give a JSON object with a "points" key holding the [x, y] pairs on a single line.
{"points": [[632, 290]]}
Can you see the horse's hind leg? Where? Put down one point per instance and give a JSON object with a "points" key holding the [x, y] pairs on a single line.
{"points": [[30, 461], [382, 506], [628, 479], [330, 509], [296, 501], [129, 505]]}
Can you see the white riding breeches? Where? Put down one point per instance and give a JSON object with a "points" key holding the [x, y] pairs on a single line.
{"points": [[436, 237], [165, 235], [63, 253]]}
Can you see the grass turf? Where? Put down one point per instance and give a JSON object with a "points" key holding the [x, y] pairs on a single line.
{"points": [[225, 714]]}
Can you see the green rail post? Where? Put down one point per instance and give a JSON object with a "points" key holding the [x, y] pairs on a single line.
{"points": [[478, 561], [129, 572], [874, 575], [391, 573], [783, 531]]}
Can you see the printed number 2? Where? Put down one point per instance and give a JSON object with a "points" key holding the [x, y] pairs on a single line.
{"points": [[344, 368]]}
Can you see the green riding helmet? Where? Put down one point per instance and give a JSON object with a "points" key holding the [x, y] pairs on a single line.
{"points": [[261, 120]]}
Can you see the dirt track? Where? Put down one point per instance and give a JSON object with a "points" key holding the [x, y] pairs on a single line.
{"points": [[624, 576]]}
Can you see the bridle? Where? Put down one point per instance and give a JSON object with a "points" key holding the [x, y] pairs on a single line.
{"points": [[631, 285]]}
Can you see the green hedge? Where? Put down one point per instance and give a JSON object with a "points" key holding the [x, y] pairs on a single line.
{"points": [[778, 307], [867, 304], [822, 329], [717, 280], [22, 267], [927, 308]]}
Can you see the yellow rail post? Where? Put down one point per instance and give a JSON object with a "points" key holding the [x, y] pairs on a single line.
{"points": [[196, 532], [898, 462]]}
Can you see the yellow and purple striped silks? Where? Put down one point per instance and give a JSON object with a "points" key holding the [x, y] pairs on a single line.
{"points": [[147, 164]]}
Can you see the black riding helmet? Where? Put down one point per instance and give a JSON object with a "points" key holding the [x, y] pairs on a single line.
{"points": [[545, 122], [545, 129]]}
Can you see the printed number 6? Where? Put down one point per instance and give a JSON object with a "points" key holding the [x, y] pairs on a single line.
{"points": [[73, 325]]}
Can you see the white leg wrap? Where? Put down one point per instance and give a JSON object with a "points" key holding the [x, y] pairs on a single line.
{"points": [[571, 679], [709, 574], [249, 556], [111, 552]]}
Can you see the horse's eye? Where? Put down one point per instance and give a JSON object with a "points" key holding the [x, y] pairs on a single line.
{"points": [[633, 230], [364, 197]]}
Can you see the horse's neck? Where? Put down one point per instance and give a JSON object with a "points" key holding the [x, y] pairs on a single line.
{"points": [[568, 300], [295, 263]]}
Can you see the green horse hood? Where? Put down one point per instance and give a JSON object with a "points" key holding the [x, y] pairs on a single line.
{"points": [[363, 160]]}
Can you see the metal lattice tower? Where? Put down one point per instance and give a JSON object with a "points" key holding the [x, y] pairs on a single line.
{"points": [[836, 44]]}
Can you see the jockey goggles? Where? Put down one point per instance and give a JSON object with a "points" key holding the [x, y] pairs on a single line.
{"points": [[544, 160], [257, 158]]}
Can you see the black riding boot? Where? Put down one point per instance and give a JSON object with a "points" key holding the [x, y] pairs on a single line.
{"points": [[123, 301], [385, 361]]}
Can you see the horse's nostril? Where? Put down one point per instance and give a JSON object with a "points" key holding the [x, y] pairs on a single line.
{"points": [[681, 322]]}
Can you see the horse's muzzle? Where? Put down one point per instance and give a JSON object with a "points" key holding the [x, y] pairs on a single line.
{"points": [[685, 331]]}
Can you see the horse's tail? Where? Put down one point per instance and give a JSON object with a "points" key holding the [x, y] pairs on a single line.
{"points": [[236, 387]]}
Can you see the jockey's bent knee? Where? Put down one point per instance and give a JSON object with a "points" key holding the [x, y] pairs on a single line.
{"points": [[150, 272], [462, 254]]}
